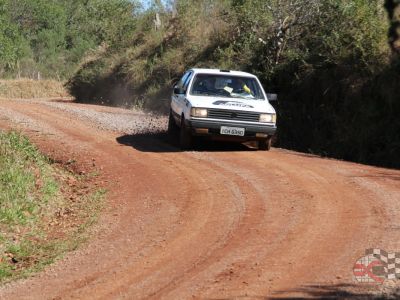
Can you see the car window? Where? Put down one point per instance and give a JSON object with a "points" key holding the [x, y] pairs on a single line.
{"points": [[227, 86], [181, 82], [187, 81]]}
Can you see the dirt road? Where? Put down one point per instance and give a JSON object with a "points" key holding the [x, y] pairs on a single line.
{"points": [[224, 222]]}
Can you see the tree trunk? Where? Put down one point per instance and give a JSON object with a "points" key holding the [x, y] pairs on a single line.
{"points": [[393, 8], [157, 22], [175, 9]]}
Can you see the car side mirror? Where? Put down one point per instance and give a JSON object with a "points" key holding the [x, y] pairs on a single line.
{"points": [[177, 91], [272, 97]]}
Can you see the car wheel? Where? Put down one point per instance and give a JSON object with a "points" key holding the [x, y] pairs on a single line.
{"points": [[186, 139], [172, 127], [265, 145]]}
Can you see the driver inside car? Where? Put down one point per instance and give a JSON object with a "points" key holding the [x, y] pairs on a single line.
{"points": [[204, 86]]}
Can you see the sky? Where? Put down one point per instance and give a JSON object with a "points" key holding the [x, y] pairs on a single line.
{"points": [[146, 3]]}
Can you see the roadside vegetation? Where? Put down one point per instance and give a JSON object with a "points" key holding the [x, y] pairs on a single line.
{"points": [[41, 217], [31, 89], [48, 38]]}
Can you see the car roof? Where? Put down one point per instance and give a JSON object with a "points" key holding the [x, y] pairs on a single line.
{"points": [[223, 72]]}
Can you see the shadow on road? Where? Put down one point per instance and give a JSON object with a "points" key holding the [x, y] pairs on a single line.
{"points": [[337, 291], [161, 142]]}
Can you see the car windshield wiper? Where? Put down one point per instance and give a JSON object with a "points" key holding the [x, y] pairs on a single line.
{"points": [[243, 97], [202, 93]]}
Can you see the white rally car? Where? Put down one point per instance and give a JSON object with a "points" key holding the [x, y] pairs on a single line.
{"points": [[222, 104]]}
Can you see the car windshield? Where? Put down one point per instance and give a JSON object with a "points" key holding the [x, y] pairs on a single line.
{"points": [[227, 86]]}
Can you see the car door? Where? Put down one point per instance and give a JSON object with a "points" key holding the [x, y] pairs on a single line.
{"points": [[176, 96], [179, 99]]}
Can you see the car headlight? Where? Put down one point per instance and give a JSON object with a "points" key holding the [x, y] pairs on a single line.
{"points": [[199, 112], [268, 118]]}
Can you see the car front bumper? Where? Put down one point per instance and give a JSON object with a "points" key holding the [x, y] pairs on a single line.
{"points": [[214, 127]]}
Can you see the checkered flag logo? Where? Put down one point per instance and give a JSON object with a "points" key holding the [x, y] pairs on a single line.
{"points": [[390, 262]]}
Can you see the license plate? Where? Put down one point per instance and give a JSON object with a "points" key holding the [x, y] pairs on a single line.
{"points": [[232, 131]]}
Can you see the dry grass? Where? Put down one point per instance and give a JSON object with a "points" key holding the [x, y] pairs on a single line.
{"points": [[28, 89]]}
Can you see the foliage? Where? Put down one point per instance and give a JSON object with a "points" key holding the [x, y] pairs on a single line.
{"points": [[48, 38]]}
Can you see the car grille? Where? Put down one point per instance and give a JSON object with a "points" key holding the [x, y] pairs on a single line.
{"points": [[233, 115]]}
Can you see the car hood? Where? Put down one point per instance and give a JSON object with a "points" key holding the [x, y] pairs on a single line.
{"points": [[262, 106]]}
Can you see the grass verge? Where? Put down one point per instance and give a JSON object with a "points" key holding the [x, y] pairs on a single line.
{"points": [[44, 211], [29, 89]]}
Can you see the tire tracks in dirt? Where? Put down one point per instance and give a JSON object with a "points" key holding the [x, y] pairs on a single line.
{"points": [[212, 224]]}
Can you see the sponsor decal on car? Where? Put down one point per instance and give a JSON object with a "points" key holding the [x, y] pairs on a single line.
{"points": [[232, 104]]}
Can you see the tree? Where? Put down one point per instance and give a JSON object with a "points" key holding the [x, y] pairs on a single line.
{"points": [[393, 8], [52, 36], [11, 42]]}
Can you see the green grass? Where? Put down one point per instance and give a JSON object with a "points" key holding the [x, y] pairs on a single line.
{"points": [[33, 193]]}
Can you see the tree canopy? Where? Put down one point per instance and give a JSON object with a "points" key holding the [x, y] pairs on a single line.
{"points": [[50, 37]]}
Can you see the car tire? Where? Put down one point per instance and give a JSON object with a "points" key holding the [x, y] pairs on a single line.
{"points": [[265, 145], [173, 129], [185, 137]]}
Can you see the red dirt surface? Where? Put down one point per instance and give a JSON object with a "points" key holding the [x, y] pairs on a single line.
{"points": [[224, 222]]}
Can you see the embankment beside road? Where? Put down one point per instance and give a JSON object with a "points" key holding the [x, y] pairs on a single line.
{"points": [[45, 210]]}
